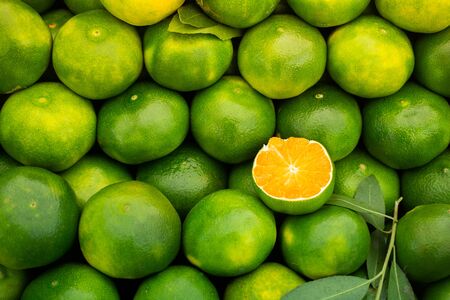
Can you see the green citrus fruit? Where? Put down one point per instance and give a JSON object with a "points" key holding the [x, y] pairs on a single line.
{"points": [[330, 241], [96, 55], [422, 242], [228, 233], [129, 230], [177, 283], [282, 56], [25, 45], [7, 162], [407, 129], [427, 184], [12, 283], [323, 113], [80, 6], [269, 281], [230, 120], [144, 123], [240, 178], [91, 174], [40, 5], [47, 125], [141, 12], [431, 51], [185, 62], [439, 290], [38, 217], [55, 19], [184, 176], [358, 165], [369, 57], [71, 281], [416, 15], [326, 13], [236, 13]]}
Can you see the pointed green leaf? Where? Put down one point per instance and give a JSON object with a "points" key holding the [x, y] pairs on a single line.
{"points": [[331, 288], [369, 193], [399, 287], [191, 14], [377, 255]]}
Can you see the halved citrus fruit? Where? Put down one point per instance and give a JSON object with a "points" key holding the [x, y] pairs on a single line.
{"points": [[293, 176]]}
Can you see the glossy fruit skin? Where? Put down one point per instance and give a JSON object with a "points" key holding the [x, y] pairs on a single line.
{"points": [[407, 129], [309, 241], [40, 5], [185, 62], [12, 283], [352, 169], [238, 13], [427, 184], [439, 290], [38, 217], [323, 113], [80, 6], [325, 13], [177, 282], [184, 176], [228, 233], [7, 162], [47, 125], [282, 56], [71, 281], [144, 123], [416, 15], [129, 230], [55, 19], [97, 55], [240, 178], [431, 50], [269, 281], [422, 236], [369, 57], [231, 121], [25, 46]]}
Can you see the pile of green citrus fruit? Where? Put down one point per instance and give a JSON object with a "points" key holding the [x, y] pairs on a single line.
{"points": [[198, 149]]}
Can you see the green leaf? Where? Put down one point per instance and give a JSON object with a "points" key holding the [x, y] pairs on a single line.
{"points": [[331, 288], [377, 255], [191, 14], [399, 287], [369, 193]]}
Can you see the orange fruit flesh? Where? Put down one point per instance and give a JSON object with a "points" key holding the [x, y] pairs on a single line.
{"points": [[292, 169]]}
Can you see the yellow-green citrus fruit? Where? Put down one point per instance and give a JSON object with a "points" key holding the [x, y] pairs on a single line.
{"points": [[282, 56], [177, 283], [238, 13], [185, 62], [358, 165], [71, 281], [141, 12], [12, 283], [25, 46], [323, 113], [422, 243], [47, 125], [427, 184], [407, 129], [326, 13], [439, 290], [369, 57], [432, 51], [269, 281], [230, 120], [228, 233], [55, 19], [330, 241], [7, 162], [40, 5], [129, 230], [184, 176], [416, 15], [38, 217], [240, 178], [97, 55], [79, 6], [92, 173], [144, 123]]}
